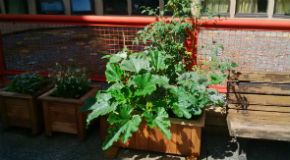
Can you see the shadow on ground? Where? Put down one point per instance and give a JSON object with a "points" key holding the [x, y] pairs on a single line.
{"points": [[19, 144]]}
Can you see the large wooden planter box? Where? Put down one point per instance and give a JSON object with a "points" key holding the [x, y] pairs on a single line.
{"points": [[21, 110], [185, 137], [63, 115]]}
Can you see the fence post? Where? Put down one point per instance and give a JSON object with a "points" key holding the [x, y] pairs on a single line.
{"points": [[195, 42], [3, 78], [191, 45]]}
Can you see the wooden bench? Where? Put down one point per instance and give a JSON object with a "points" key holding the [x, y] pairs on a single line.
{"points": [[259, 105]]}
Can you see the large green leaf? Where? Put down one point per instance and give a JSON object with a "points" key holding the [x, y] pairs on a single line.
{"points": [[123, 124], [115, 59], [185, 100], [144, 84], [217, 79], [162, 81], [113, 72], [160, 119], [116, 86], [101, 107], [158, 59], [135, 64], [215, 97]]}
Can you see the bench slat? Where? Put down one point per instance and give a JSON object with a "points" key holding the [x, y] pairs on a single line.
{"points": [[262, 117], [260, 99], [267, 95], [261, 108], [259, 125], [265, 88], [252, 76]]}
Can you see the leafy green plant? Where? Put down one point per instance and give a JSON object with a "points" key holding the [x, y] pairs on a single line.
{"points": [[155, 84], [27, 83], [70, 83]]}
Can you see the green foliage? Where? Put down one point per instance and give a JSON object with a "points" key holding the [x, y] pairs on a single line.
{"points": [[159, 119], [155, 84], [70, 83], [123, 122], [135, 63], [27, 83]]}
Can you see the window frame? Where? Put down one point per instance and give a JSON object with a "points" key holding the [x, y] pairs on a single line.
{"points": [[279, 15], [136, 14], [26, 7], [220, 14], [38, 9], [121, 14], [251, 15], [83, 12]]}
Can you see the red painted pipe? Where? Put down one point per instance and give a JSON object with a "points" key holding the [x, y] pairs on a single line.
{"points": [[237, 23], [65, 19], [268, 24], [219, 88]]}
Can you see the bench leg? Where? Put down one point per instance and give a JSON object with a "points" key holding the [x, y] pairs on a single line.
{"points": [[242, 146]]}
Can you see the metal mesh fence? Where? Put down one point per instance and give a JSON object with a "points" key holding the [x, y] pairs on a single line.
{"points": [[39, 48], [251, 50]]}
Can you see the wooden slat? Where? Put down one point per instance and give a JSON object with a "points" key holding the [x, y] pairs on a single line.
{"points": [[274, 77], [261, 108], [4, 116], [111, 152], [142, 133], [265, 88], [19, 122], [16, 101], [47, 119], [171, 146], [155, 141], [65, 127], [258, 117], [185, 138], [260, 99], [15, 111], [259, 125]]}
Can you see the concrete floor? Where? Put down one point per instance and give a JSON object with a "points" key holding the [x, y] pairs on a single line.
{"points": [[19, 144]]}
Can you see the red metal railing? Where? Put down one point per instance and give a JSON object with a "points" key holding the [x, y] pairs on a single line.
{"points": [[83, 39]]}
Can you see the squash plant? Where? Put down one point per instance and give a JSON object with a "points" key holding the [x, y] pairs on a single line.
{"points": [[155, 84]]}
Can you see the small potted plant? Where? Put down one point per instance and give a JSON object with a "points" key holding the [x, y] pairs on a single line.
{"points": [[156, 99], [18, 101], [62, 103]]}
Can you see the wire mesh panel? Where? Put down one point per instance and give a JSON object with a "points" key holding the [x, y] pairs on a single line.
{"points": [[252, 50], [39, 47], [81, 41]]}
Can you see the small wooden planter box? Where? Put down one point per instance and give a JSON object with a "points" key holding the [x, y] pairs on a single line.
{"points": [[62, 114], [21, 110], [185, 137]]}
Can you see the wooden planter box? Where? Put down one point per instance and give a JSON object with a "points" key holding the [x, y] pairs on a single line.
{"points": [[62, 114], [21, 110], [185, 137]]}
